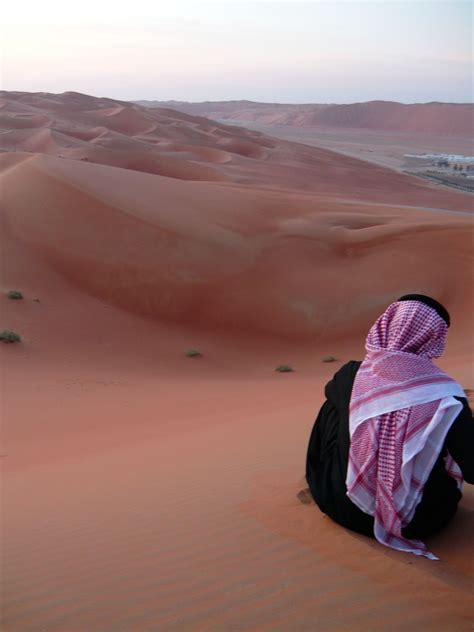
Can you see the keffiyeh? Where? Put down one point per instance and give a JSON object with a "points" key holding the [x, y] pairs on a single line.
{"points": [[402, 407]]}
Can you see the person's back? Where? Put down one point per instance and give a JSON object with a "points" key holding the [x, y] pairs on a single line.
{"points": [[395, 436]]}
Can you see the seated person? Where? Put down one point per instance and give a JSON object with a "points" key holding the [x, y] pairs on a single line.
{"points": [[394, 440]]}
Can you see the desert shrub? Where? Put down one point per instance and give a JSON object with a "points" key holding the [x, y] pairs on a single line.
{"points": [[283, 368], [14, 294], [193, 353], [328, 358], [9, 336]]}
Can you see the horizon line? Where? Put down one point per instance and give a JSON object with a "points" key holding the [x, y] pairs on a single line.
{"points": [[243, 100]]}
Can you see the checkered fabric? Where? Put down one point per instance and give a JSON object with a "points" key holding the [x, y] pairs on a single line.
{"points": [[402, 407]]}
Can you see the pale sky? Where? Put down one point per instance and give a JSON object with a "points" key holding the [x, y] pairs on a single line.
{"points": [[286, 52]]}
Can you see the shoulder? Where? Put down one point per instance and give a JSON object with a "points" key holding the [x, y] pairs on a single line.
{"points": [[349, 369], [341, 383], [460, 441], [466, 412]]}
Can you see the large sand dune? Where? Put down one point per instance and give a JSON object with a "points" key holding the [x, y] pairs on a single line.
{"points": [[451, 119], [150, 244], [145, 490]]}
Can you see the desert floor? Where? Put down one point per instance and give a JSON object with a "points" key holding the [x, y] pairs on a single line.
{"points": [[381, 147], [146, 491]]}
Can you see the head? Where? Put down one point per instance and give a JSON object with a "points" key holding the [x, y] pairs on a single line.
{"points": [[415, 324]]}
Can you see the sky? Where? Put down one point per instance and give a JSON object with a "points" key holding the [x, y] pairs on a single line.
{"points": [[285, 52]]}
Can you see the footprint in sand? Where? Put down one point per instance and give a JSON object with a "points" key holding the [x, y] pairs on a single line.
{"points": [[304, 496]]}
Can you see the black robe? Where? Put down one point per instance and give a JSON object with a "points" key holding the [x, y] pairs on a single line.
{"points": [[328, 455]]}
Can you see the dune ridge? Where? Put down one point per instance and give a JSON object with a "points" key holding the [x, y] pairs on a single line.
{"points": [[453, 119]]}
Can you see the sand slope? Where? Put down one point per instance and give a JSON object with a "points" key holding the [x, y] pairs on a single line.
{"points": [[144, 490], [150, 244]]}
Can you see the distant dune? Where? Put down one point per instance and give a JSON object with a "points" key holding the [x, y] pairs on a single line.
{"points": [[146, 490], [452, 119]]}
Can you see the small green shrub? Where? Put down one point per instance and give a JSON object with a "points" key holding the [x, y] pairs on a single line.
{"points": [[193, 353], [14, 294], [284, 368], [328, 358], [9, 336]]}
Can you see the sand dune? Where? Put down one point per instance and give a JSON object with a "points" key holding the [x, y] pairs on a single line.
{"points": [[453, 119], [145, 490], [138, 138], [445, 118], [125, 135], [168, 269]]}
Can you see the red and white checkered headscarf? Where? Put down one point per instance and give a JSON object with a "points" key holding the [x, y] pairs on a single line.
{"points": [[401, 409]]}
